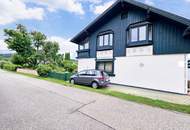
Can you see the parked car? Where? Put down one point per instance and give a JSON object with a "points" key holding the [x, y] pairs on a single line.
{"points": [[94, 78]]}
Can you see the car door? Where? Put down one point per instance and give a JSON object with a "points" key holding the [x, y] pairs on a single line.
{"points": [[81, 77], [90, 77]]}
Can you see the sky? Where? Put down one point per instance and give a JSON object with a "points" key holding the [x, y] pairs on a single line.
{"points": [[60, 20]]}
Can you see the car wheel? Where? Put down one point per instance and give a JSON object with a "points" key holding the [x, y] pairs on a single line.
{"points": [[72, 81], [95, 85]]}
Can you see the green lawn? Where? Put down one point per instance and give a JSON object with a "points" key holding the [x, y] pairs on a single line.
{"points": [[128, 97]]}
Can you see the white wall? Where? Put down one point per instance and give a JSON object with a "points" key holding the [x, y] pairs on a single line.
{"points": [[163, 72], [140, 51], [84, 64], [105, 54], [188, 58]]}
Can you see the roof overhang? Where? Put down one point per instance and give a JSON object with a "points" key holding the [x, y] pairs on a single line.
{"points": [[123, 4], [187, 33]]}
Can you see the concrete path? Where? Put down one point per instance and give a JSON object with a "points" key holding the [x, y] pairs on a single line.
{"points": [[169, 97], [32, 104]]}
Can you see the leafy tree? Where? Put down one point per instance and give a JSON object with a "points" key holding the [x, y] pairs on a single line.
{"points": [[50, 50], [59, 60], [32, 48], [19, 40], [17, 59], [67, 56], [38, 39]]}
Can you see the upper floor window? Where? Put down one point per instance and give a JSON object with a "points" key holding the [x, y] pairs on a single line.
{"points": [[140, 33], [84, 46], [105, 39]]}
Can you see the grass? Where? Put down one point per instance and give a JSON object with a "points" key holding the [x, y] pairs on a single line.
{"points": [[128, 97]]}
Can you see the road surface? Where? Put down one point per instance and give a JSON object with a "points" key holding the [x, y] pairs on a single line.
{"points": [[32, 104]]}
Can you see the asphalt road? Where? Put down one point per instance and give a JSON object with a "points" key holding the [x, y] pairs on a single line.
{"points": [[32, 104]]}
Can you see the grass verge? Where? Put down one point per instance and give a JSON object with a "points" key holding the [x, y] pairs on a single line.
{"points": [[128, 97]]}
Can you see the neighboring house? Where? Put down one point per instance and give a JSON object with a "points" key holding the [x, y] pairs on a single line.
{"points": [[138, 45]]}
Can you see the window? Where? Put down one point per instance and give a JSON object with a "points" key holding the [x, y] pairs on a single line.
{"points": [[82, 73], [134, 34], [105, 40], [101, 40], [106, 66], [91, 73], [84, 46], [140, 33], [188, 64]]}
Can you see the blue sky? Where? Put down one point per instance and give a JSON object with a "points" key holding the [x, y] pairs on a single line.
{"points": [[60, 20]]}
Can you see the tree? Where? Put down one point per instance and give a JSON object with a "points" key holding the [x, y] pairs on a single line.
{"points": [[67, 56], [50, 50], [17, 59], [59, 60], [38, 39], [20, 41], [32, 48]]}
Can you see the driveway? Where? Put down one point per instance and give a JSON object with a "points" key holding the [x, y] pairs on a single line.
{"points": [[32, 104]]}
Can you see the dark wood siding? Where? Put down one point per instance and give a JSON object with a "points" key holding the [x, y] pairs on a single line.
{"points": [[167, 35], [168, 38]]}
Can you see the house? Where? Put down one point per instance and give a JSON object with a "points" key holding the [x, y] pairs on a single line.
{"points": [[138, 45]]}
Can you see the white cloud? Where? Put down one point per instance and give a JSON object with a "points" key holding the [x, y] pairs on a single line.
{"points": [[3, 48], [149, 2], [13, 10], [91, 1], [3, 45], [98, 9], [65, 45], [73, 6]]}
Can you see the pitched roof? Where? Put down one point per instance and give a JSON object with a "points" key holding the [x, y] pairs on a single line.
{"points": [[118, 3]]}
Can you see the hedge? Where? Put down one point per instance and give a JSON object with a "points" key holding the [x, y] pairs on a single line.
{"points": [[2, 63], [43, 70], [9, 66]]}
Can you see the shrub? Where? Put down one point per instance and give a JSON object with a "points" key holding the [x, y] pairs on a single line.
{"points": [[2, 63], [17, 59], [70, 66], [9, 66], [43, 70]]}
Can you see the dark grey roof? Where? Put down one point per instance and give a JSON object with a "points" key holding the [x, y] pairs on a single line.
{"points": [[166, 14]]}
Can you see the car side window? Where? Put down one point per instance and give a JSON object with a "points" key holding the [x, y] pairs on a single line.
{"points": [[91, 73], [82, 73], [98, 73]]}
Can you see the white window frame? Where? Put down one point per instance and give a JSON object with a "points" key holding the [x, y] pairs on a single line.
{"points": [[143, 32], [106, 39], [84, 46]]}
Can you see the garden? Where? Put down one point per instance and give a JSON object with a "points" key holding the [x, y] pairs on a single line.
{"points": [[33, 51]]}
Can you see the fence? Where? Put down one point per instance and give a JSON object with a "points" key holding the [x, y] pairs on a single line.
{"points": [[62, 76]]}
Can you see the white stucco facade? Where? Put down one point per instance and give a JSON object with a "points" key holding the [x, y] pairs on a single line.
{"points": [[84, 64], [160, 72]]}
